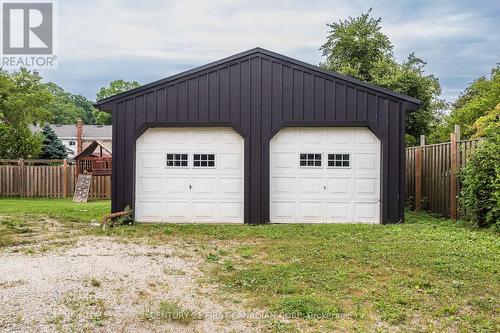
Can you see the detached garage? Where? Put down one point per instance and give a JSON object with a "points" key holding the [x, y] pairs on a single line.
{"points": [[259, 137]]}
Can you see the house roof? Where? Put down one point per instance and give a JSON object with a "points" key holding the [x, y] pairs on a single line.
{"points": [[91, 148], [69, 131], [268, 53]]}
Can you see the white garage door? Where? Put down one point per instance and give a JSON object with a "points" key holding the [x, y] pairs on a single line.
{"points": [[325, 175], [189, 175]]}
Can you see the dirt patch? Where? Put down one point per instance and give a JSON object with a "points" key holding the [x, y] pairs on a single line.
{"points": [[102, 285]]}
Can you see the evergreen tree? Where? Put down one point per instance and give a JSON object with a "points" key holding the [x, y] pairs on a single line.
{"points": [[52, 147]]}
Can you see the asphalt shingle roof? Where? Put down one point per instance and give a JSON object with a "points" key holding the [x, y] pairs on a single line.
{"points": [[89, 131]]}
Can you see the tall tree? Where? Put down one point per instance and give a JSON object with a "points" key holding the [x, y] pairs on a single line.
{"points": [[87, 106], [62, 107], [52, 147], [357, 47], [115, 87], [22, 100], [476, 110], [66, 108]]}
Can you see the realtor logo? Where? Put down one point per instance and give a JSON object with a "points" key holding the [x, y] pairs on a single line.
{"points": [[28, 34], [27, 28]]}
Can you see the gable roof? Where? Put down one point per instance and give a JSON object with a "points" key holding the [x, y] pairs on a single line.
{"points": [[268, 53], [91, 148], [69, 131]]}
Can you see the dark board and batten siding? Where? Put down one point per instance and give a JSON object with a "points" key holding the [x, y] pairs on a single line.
{"points": [[257, 94]]}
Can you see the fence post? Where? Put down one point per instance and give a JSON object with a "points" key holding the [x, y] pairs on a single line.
{"points": [[65, 178], [21, 175], [418, 173], [454, 137], [457, 132]]}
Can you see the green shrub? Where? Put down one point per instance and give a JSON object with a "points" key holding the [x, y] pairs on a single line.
{"points": [[480, 194]]}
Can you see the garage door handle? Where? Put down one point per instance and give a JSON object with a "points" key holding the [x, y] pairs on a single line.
{"points": [[324, 187], [189, 186]]}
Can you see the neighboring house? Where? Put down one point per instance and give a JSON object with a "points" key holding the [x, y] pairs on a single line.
{"points": [[259, 137], [68, 134]]}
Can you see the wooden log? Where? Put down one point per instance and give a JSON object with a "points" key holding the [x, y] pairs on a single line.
{"points": [[110, 216]]}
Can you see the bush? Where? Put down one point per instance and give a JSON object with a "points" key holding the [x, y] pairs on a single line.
{"points": [[19, 142], [480, 194]]}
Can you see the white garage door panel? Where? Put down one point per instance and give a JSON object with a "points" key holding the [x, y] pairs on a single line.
{"points": [[204, 185], [231, 210], [150, 162], [189, 194], [339, 212], [366, 188], [231, 186], [339, 138], [177, 210], [283, 186], [149, 185], [177, 186], [284, 160], [149, 210], [285, 211], [340, 188], [203, 211], [311, 211], [364, 212], [326, 193], [311, 186]]}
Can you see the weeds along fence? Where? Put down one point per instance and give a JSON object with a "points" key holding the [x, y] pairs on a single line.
{"points": [[46, 178], [432, 174]]}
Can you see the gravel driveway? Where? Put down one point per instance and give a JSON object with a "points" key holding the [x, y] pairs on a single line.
{"points": [[102, 285]]}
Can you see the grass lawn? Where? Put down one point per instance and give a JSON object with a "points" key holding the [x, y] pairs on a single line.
{"points": [[429, 274]]}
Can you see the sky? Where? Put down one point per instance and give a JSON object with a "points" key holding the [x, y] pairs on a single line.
{"points": [[103, 40]]}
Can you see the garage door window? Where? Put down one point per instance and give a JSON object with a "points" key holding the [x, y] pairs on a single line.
{"points": [[204, 160], [338, 160], [177, 160], [310, 160]]}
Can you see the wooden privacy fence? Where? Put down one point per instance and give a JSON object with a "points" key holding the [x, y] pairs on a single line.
{"points": [[431, 174], [46, 178]]}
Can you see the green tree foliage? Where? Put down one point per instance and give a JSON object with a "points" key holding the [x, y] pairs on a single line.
{"points": [[115, 87], [66, 108], [19, 142], [488, 126], [357, 47], [87, 106], [52, 147], [102, 118], [480, 178], [61, 107], [476, 110], [22, 100]]}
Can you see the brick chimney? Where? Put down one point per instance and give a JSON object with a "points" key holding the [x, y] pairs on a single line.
{"points": [[79, 136]]}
